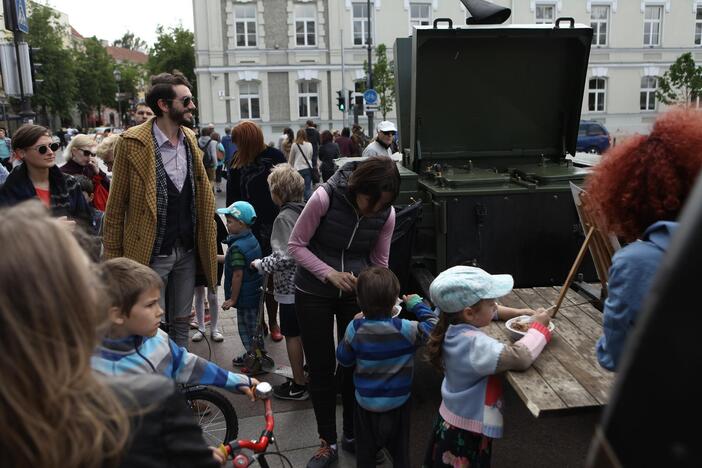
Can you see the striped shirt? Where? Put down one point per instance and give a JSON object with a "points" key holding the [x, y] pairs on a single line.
{"points": [[383, 353]]}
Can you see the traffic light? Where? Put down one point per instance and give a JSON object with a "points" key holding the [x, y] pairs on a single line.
{"points": [[350, 100], [35, 66], [340, 101]]}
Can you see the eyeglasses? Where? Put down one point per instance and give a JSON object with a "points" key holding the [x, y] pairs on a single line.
{"points": [[388, 133], [87, 153], [186, 100], [42, 149]]}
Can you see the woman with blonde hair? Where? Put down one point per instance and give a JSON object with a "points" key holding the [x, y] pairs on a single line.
{"points": [[81, 159], [55, 410], [301, 159], [248, 181], [105, 151]]}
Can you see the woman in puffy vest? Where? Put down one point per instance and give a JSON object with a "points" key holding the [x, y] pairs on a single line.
{"points": [[346, 226]]}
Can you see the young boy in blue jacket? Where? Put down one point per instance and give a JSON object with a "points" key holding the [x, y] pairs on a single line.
{"points": [[382, 348]]}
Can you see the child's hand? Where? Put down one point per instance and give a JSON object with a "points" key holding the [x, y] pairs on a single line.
{"points": [[359, 316], [542, 316], [226, 305], [251, 391], [220, 457], [256, 265], [411, 300]]}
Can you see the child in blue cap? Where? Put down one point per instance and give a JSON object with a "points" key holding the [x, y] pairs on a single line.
{"points": [[242, 284], [470, 415]]}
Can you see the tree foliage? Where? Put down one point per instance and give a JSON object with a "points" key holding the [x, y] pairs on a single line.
{"points": [[682, 83], [56, 93], [130, 41], [383, 80], [174, 50], [96, 79]]}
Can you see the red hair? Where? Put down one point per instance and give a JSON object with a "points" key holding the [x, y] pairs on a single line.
{"points": [[249, 143], [648, 178]]}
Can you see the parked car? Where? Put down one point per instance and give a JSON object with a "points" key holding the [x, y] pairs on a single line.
{"points": [[593, 137]]}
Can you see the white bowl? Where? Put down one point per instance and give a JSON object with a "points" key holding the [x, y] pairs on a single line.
{"points": [[517, 334]]}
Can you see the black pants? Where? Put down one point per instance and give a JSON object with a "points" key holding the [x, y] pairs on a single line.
{"points": [[389, 430], [315, 316]]}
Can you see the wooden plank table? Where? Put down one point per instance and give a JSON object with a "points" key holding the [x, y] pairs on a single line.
{"points": [[566, 375]]}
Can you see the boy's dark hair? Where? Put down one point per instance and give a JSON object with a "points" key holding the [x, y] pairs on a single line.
{"points": [[375, 176], [125, 280], [162, 88], [345, 132], [326, 137], [85, 184], [377, 289]]}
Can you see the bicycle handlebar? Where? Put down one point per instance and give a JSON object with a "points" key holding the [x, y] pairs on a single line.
{"points": [[263, 391]]}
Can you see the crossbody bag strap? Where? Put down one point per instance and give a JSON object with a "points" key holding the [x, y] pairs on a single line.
{"points": [[303, 155]]}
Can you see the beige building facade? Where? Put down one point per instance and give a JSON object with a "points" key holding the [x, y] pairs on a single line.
{"points": [[279, 62]]}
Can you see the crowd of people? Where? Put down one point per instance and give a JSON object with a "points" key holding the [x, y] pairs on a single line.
{"points": [[144, 246]]}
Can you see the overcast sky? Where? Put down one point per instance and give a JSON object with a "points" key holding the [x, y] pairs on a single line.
{"points": [[110, 19]]}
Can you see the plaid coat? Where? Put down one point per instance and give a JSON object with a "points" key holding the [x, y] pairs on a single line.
{"points": [[129, 226]]}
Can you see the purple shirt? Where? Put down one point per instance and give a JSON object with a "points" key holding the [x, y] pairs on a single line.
{"points": [[174, 158]]}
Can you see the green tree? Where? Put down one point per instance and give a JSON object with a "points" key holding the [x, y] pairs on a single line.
{"points": [[56, 94], [383, 80], [174, 50], [132, 77], [130, 41], [96, 80], [682, 83]]}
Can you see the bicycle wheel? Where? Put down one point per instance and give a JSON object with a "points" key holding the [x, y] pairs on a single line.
{"points": [[215, 415]]}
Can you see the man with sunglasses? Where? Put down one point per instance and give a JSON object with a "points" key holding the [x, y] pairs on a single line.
{"points": [[161, 207], [382, 145]]}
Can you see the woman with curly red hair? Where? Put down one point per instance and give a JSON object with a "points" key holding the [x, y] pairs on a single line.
{"points": [[637, 191]]}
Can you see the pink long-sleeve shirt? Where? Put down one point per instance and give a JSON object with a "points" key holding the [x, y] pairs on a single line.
{"points": [[306, 227]]}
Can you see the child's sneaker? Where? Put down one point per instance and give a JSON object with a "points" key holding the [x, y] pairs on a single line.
{"points": [[325, 456], [217, 336], [291, 391], [239, 360], [198, 336]]}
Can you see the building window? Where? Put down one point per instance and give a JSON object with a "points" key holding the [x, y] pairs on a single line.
{"points": [[599, 22], [360, 23], [545, 14], [308, 99], [245, 25], [652, 25], [648, 93], [305, 25], [597, 93], [698, 26], [420, 14], [249, 101]]}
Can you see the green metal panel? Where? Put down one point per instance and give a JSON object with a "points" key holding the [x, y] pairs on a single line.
{"points": [[403, 88]]}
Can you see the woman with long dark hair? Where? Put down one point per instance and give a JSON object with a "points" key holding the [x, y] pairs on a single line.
{"points": [[346, 226], [328, 152], [248, 181]]}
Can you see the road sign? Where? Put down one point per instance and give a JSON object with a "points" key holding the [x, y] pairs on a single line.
{"points": [[21, 11], [371, 100]]}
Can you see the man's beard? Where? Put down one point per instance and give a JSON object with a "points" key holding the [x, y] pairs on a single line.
{"points": [[178, 116]]}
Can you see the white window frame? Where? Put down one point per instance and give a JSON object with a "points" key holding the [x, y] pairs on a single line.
{"points": [[307, 96], [539, 7], [363, 21], [248, 24], [600, 94], [420, 20], [249, 91], [306, 22], [698, 24], [653, 22], [597, 23], [651, 104]]}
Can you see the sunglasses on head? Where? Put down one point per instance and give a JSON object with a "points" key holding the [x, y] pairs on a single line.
{"points": [[186, 100], [87, 153], [42, 149]]}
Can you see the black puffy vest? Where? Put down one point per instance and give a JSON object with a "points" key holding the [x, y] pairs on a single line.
{"points": [[344, 239]]}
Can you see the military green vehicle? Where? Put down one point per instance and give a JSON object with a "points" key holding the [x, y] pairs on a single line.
{"points": [[487, 114]]}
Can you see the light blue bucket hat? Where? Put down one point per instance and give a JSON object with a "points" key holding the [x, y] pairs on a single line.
{"points": [[464, 286]]}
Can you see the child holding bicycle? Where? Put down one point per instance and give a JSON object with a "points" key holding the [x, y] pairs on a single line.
{"points": [[242, 284], [382, 348], [135, 344], [470, 415], [287, 190]]}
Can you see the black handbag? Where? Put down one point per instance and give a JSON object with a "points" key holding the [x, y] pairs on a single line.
{"points": [[316, 178]]}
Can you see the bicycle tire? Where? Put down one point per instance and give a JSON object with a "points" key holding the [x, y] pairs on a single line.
{"points": [[221, 424]]}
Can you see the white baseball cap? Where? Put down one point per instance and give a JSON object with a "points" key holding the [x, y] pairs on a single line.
{"points": [[386, 126]]}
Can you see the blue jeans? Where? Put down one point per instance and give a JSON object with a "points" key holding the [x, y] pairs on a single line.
{"points": [[307, 175], [246, 320]]}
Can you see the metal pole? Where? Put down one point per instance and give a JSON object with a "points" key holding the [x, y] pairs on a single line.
{"points": [[370, 68], [343, 82]]}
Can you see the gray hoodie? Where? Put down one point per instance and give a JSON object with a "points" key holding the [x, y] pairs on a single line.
{"points": [[209, 146]]}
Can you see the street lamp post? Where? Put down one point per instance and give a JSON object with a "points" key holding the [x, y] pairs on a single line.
{"points": [[118, 78]]}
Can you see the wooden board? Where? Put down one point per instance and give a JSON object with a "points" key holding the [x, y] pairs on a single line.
{"points": [[566, 375]]}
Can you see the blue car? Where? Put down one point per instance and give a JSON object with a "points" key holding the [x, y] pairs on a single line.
{"points": [[593, 137]]}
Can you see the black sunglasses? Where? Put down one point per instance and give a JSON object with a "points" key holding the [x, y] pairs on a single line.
{"points": [[86, 153], [42, 149], [186, 100], [388, 133]]}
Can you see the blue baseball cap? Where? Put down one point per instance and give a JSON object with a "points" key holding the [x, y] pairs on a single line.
{"points": [[464, 286], [241, 210]]}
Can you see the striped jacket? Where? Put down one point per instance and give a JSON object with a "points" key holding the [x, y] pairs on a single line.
{"points": [[160, 355], [383, 352]]}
